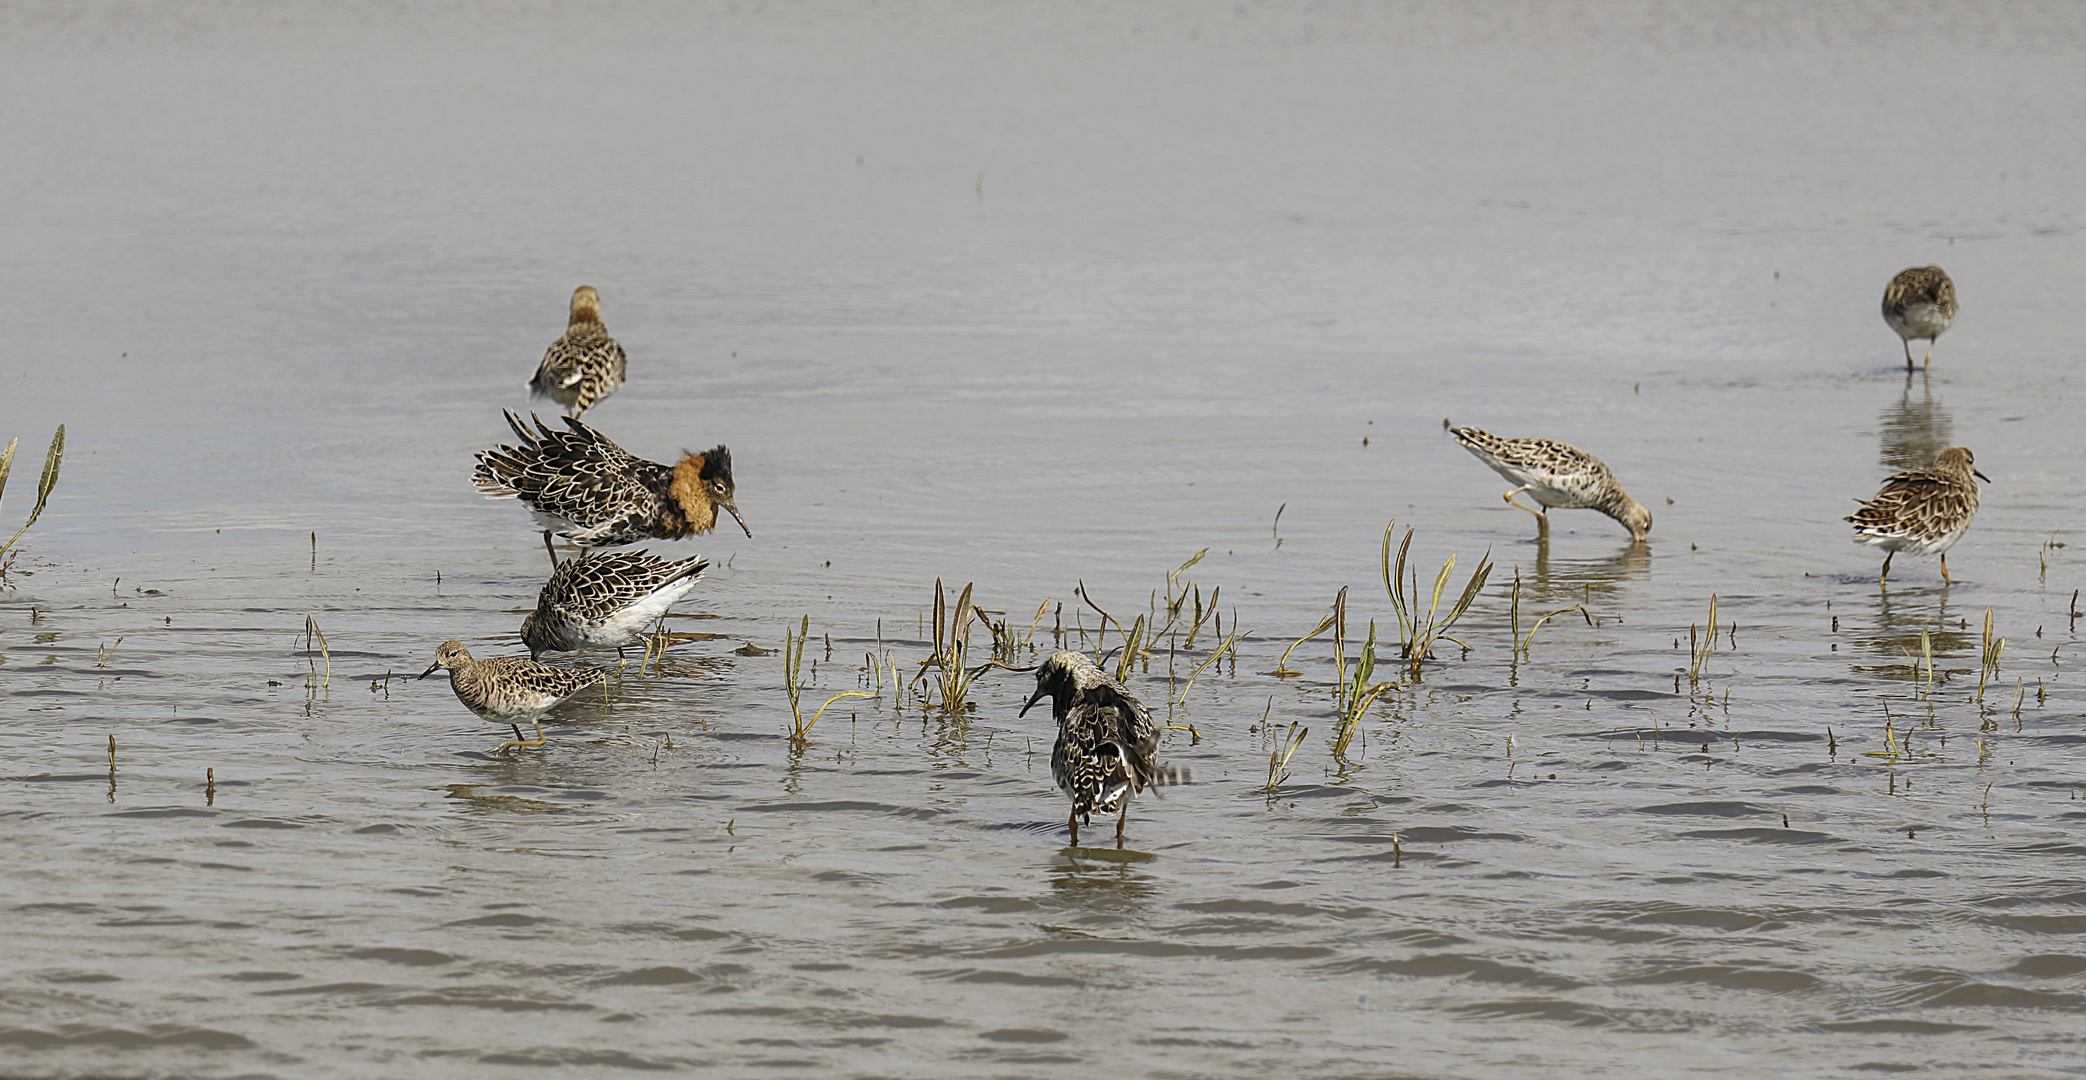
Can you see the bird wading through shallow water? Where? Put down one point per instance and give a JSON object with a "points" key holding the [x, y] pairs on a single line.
{"points": [[1106, 741], [1557, 476], [1923, 511], [508, 689], [1920, 303], [584, 366], [606, 600], [588, 490]]}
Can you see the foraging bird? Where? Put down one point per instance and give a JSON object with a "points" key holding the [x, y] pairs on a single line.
{"points": [[584, 366], [1923, 511], [508, 689], [1105, 740], [606, 600], [1556, 475], [589, 491], [1920, 303]]}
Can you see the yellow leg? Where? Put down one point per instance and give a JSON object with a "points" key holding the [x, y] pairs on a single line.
{"points": [[1930, 354], [1887, 557], [1944, 569], [1120, 819], [1542, 519], [519, 741]]}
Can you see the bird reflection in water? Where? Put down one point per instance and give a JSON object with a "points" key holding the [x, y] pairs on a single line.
{"points": [[1892, 642], [1916, 427], [1101, 879], [1580, 581]]}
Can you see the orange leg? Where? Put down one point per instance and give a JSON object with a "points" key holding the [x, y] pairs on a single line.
{"points": [[1944, 569], [1072, 823]]}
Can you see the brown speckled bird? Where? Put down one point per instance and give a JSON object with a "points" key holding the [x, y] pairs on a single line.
{"points": [[1920, 303], [588, 490], [606, 600], [1923, 511], [1106, 740], [508, 689], [584, 366], [1555, 475]]}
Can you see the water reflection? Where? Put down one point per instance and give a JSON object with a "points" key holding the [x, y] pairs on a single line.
{"points": [[1580, 581], [1093, 877], [1916, 428], [1894, 636]]}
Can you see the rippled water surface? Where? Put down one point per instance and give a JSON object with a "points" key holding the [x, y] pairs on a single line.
{"points": [[1036, 296]]}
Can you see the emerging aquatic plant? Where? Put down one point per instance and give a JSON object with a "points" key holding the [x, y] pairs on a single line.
{"points": [[1522, 644], [1417, 632], [1278, 761], [1282, 670], [793, 684], [1229, 642], [1989, 654], [1183, 612], [44, 484], [1699, 647], [1355, 692], [952, 638], [312, 634]]}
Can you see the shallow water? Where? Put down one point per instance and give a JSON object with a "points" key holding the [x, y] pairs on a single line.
{"points": [[1033, 298]]}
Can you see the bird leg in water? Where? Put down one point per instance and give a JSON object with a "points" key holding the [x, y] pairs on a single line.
{"points": [[1072, 823], [519, 741], [1120, 819], [1542, 519], [553, 551], [1944, 569], [1884, 579]]}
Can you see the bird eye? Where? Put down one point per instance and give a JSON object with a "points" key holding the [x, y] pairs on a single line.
{"points": [[717, 486]]}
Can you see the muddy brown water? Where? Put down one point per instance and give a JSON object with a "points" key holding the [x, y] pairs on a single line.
{"points": [[1034, 298]]}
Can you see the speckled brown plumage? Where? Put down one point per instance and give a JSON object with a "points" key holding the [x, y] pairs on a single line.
{"points": [[606, 600], [1106, 740], [508, 689], [1920, 303], [1556, 475], [584, 366], [587, 489], [1923, 511]]}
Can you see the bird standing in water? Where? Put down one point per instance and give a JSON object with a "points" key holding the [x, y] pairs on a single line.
{"points": [[590, 491], [1920, 303], [606, 600], [1106, 740], [1555, 475], [508, 689], [1923, 511], [584, 366]]}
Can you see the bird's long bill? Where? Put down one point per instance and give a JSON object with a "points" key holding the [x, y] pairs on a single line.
{"points": [[431, 669], [1981, 476], [734, 511], [1033, 698]]}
